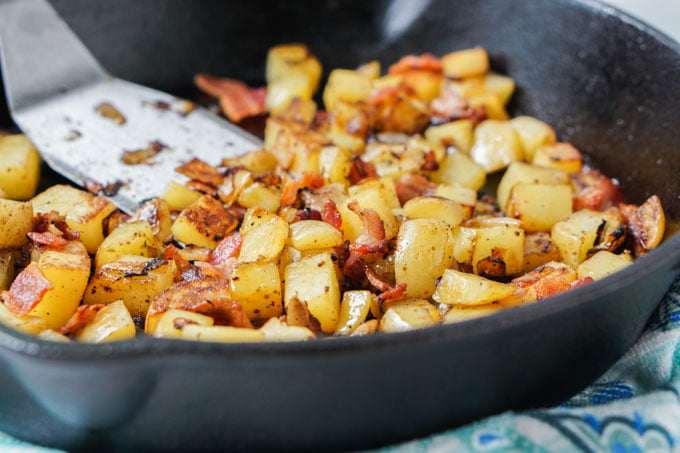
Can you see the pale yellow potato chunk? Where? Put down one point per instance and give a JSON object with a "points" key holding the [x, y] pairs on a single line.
{"points": [[466, 63], [602, 264], [368, 328], [562, 156], [132, 238], [523, 172], [171, 323], [257, 286], [346, 85], [495, 250], [539, 249], [409, 314], [19, 167], [385, 186], [424, 249], [314, 234], [30, 325], [451, 212], [260, 195], [495, 145], [312, 280], [16, 220], [112, 323], [463, 195], [133, 279], [354, 309], [69, 274], [264, 242], [458, 168], [221, 334], [282, 91], [460, 313], [492, 105], [533, 133], [179, 197], [275, 330], [456, 287], [539, 206], [289, 60], [576, 235], [7, 261], [334, 164], [456, 133]]}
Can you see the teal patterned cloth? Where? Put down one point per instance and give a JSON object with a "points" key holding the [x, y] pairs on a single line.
{"points": [[633, 408]]}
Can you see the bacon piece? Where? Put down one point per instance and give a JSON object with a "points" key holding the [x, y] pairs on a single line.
{"points": [[26, 291], [225, 313], [331, 215], [237, 100], [360, 171], [226, 249], [307, 214], [413, 185], [201, 171], [647, 224], [426, 62], [83, 315], [581, 281], [47, 238], [372, 240], [298, 314], [55, 223], [309, 180], [595, 191], [398, 292], [222, 270], [430, 163], [451, 106], [375, 280], [202, 187], [172, 253]]}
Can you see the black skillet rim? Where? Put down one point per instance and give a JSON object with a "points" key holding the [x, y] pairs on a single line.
{"points": [[661, 257]]}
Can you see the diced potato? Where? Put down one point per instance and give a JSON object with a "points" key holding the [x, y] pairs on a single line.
{"points": [[16, 220], [69, 274], [133, 279], [460, 313], [466, 63], [370, 69], [349, 125], [408, 315], [171, 323], [314, 234], [53, 335], [288, 60], [204, 223], [84, 212], [495, 145], [562, 156], [493, 251], [539, 206], [449, 211], [257, 286], [235, 182], [426, 84], [388, 81], [500, 85], [275, 330], [133, 238], [602, 264], [112, 323], [522, 172], [539, 249], [533, 133], [386, 187], [424, 249], [221, 334], [576, 235], [458, 168], [491, 104], [157, 213], [370, 198], [463, 195], [367, 328], [179, 197], [7, 260], [257, 162], [401, 111], [282, 91], [456, 287], [456, 133], [260, 195], [19, 167], [495, 84], [312, 281], [254, 217], [30, 325], [354, 309], [647, 224], [291, 140], [265, 241], [393, 160], [346, 85], [334, 164]]}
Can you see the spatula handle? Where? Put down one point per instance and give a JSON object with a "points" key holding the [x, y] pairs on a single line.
{"points": [[41, 57]]}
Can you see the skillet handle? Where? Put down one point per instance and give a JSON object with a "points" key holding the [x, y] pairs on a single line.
{"points": [[41, 57]]}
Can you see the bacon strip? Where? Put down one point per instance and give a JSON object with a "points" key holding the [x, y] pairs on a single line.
{"points": [[309, 180], [331, 215], [372, 240], [83, 315], [26, 291], [226, 249], [595, 191], [361, 170], [47, 238], [237, 100], [425, 62], [413, 185]]}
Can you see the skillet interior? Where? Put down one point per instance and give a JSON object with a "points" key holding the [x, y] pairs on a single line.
{"points": [[606, 83]]}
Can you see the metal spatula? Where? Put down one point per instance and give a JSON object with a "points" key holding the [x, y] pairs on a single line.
{"points": [[82, 119]]}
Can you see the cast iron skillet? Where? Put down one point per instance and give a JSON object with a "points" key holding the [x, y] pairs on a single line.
{"points": [[608, 83]]}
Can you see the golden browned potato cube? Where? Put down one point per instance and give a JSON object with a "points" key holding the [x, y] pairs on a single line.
{"points": [[533, 133], [409, 314], [282, 91], [84, 212], [133, 279], [204, 223], [349, 124], [559, 155], [179, 197], [314, 234], [576, 235], [30, 325], [346, 85], [539, 249], [495, 145], [522, 172], [539, 206], [7, 260], [386, 187], [370, 198], [500, 85], [291, 140], [450, 211], [393, 160], [221, 334], [460, 313], [426, 84], [493, 250], [602, 264], [458, 168], [456, 287], [172, 322], [257, 286], [334, 164], [257, 162], [424, 250], [260, 195], [463, 195], [112, 323], [254, 217], [275, 330], [466, 63], [157, 213], [288, 60], [19, 167], [456, 133], [312, 281], [132, 238], [69, 274], [354, 309], [264, 242], [370, 69], [491, 104], [16, 220]]}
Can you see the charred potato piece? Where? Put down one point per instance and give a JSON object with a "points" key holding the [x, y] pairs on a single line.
{"points": [[205, 222]]}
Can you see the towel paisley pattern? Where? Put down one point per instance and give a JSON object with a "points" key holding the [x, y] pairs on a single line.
{"points": [[633, 408]]}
